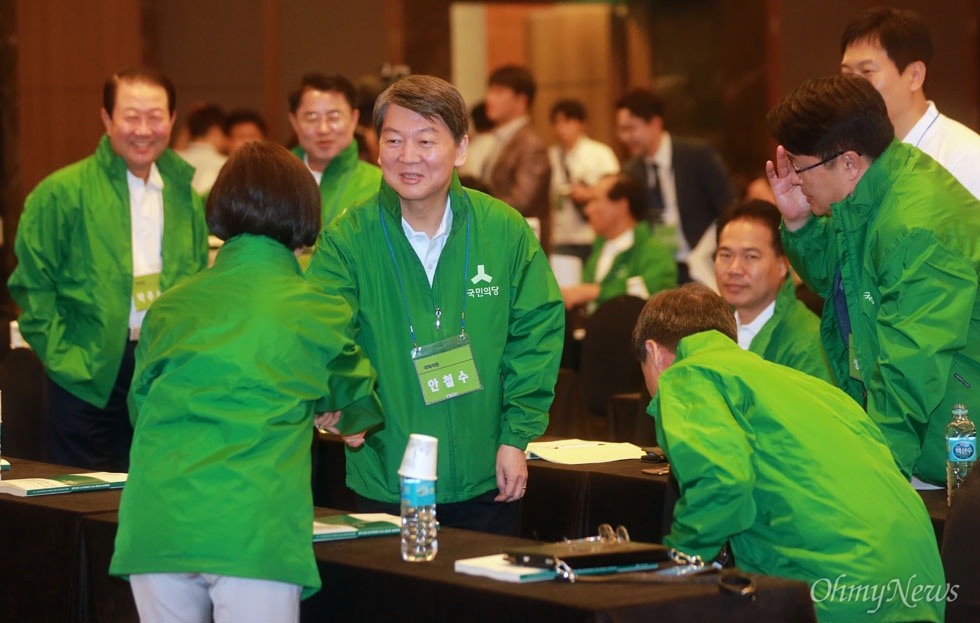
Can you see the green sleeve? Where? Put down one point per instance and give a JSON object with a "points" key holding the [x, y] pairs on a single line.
{"points": [[41, 236], [711, 459], [927, 296], [534, 344], [812, 250]]}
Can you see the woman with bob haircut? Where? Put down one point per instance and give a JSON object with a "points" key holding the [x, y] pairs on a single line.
{"points": [[232, 365]]}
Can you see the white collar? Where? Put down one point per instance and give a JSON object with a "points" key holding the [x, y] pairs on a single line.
{"points": [[760, 321], [447, 222], [918, 131], [506, 131], [154, 180], [663, 157]]}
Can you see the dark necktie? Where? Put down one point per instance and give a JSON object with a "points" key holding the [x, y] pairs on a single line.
{"points": [[655, 197]]}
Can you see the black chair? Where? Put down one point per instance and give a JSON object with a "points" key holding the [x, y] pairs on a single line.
{"points": [[961, 546], [608, 366], [22, 392]]}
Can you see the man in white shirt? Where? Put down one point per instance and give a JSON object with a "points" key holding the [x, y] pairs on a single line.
{"points": [[208, 142], [891, 48], [98, 241], [577, 163]]}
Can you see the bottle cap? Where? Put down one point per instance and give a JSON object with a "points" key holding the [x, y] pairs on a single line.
{"points": [[420, 458]]}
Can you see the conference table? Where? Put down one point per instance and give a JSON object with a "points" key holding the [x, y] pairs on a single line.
{"points": [[365, 580], [570, 501], [55, 555]]}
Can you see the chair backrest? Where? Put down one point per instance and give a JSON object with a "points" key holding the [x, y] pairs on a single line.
{"points": [[608, 366]]}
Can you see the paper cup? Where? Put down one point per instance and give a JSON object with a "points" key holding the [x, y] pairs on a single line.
{"points": [[419, 460]]}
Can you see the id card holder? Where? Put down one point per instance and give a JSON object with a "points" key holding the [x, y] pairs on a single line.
{"points": [[853, 366], [146, 289], [446, 369]]}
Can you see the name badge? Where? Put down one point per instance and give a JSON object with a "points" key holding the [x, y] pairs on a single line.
{"points": [[146, 289], [446, 369]]}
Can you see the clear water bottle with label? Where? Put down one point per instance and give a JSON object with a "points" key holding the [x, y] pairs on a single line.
{"points": [[419, 526], [961, 449], [418, 495]]}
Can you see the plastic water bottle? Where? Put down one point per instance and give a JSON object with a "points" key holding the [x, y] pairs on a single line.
{"points": [[961, 449], [419, 526]]}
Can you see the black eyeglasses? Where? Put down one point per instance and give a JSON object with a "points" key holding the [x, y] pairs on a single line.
{"points": [[814, 166]]}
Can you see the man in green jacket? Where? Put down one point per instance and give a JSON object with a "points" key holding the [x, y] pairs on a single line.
{"points": [[752, 274], [323, 113], [890, 239], [98, 241], [783, 467], [625, 248], [430, 267]]}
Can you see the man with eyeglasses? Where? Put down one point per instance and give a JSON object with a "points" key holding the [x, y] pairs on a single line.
{"points": [[98, 241], [890, 239], [323, 113]]}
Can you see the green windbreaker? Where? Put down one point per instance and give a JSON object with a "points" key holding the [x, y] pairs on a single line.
{"points": [[798, 479], [907, 242], [345, 181], [74, 278], [648, 258], [229, 368], [792, 336], [514, 320]]}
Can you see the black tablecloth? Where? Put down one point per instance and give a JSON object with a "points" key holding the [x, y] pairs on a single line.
{"points": [[366, 580], [41, 547]]}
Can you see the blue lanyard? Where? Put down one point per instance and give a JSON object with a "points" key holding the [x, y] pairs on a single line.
{"points": [[401, 284]]}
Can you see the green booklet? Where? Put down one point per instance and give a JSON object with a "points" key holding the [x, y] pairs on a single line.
{"points": [[4, 464], [355, 526], [69, 483]]}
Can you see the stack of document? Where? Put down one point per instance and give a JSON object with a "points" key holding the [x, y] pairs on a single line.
{"points": [[355, 526], [498, 567], [69, 483], [579, 452]]}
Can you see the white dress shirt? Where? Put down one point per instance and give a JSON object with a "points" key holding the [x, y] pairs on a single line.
{"points": [[951, 144], [747, 332], [429, 250], [146, 211]]}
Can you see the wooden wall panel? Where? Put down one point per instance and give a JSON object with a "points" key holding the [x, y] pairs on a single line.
{"points": [[66, 50]]}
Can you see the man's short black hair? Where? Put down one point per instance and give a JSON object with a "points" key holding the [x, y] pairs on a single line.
{"points": [[634, 191], [569, 108], [137, 73], [320, 82], [244, 115], [265, 190], [757, 210], [827, 116], [903, 34], [516, 78], [642, 103], [203, 117]]}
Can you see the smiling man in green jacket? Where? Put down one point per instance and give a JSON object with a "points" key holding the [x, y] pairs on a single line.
{"points": [[323, 113], [99, 240], [429, 266], [783, 467], [752, 273], [891, 240]]}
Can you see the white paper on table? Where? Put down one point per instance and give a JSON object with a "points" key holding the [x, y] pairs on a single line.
{"points": [[497, 566], [580, 452]]}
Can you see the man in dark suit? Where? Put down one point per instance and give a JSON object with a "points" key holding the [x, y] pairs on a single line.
{"points": [[688, 184], [517, 171]]}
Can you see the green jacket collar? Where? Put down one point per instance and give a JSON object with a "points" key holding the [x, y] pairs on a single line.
{"points": [[705, 340], [171, 166], [459, 202], [253, 249], [346, 160], [858, 207]]}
